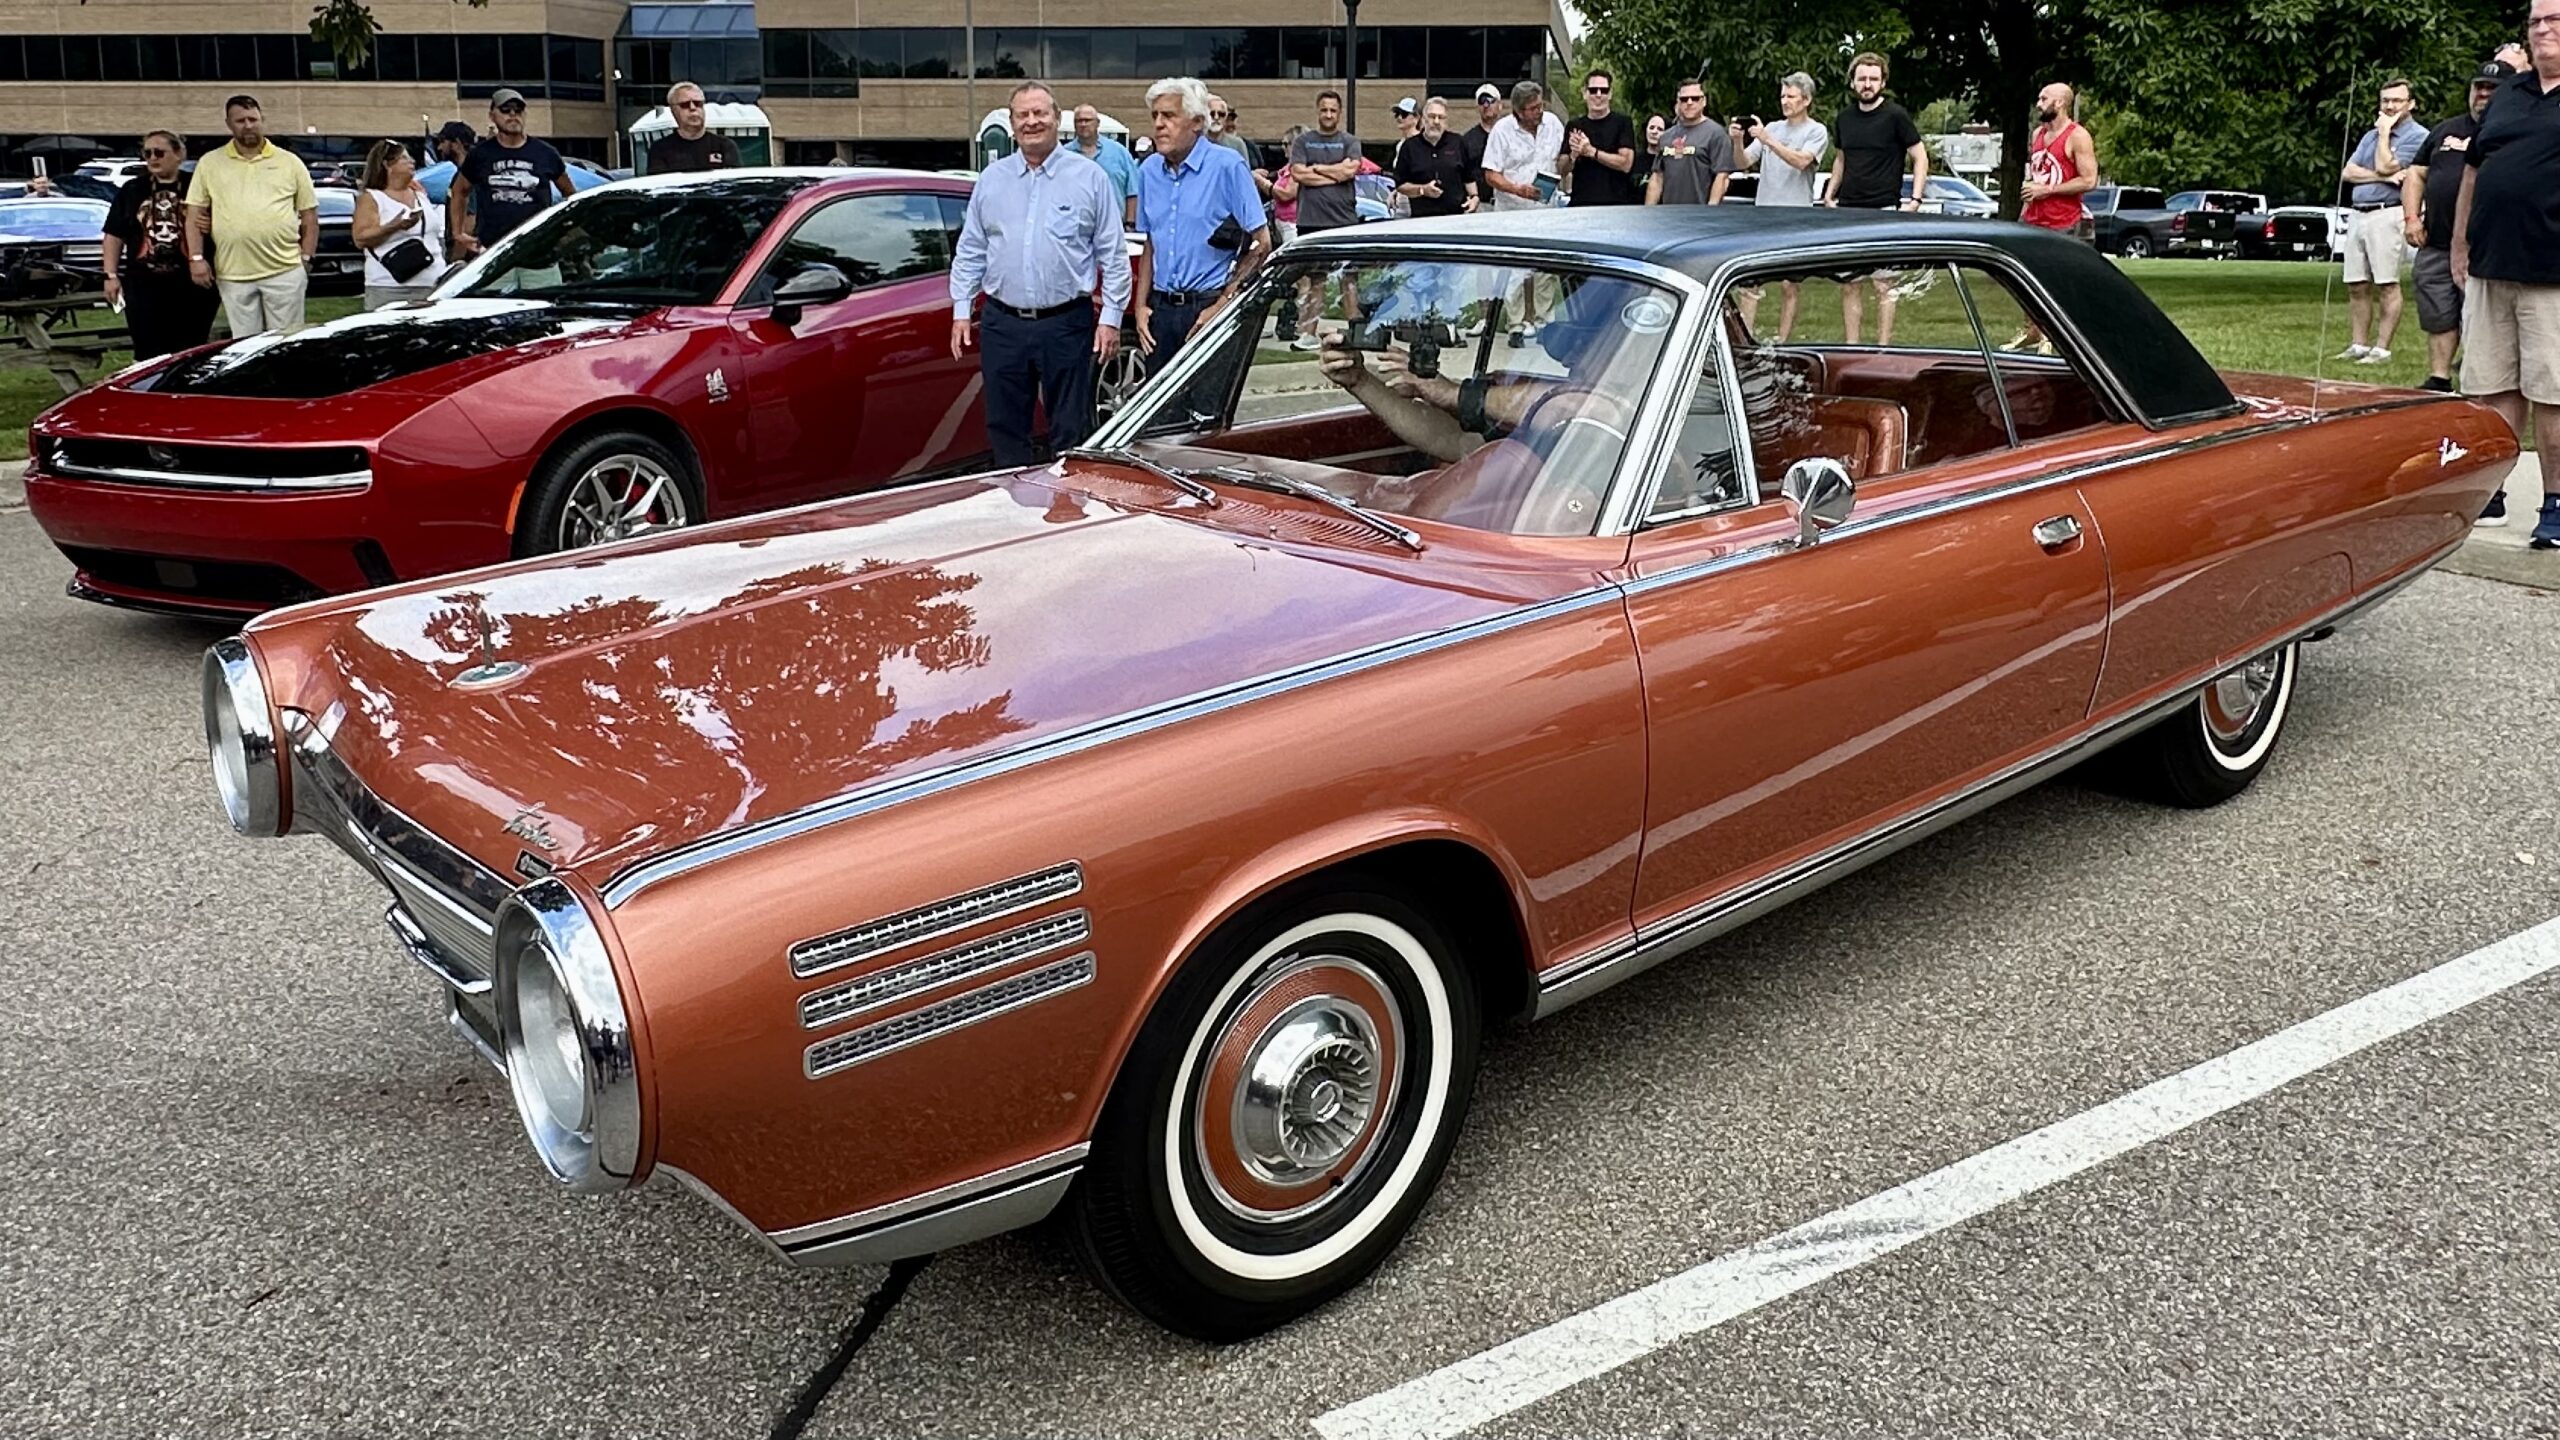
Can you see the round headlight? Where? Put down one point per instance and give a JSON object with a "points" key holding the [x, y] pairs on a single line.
{"points": [[240, 735], [566, 1039]]}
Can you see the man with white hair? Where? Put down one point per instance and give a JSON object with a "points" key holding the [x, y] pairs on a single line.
{"points": [[1200, 217], [695, 145]]}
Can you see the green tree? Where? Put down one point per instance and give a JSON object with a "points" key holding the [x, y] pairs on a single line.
{"points": [[2262, 93], [348, 28]]}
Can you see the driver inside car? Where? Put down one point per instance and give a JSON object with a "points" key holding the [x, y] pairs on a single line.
{"points": [[1526, 453]]}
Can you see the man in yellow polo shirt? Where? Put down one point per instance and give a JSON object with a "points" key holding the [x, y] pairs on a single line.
{"points": [[255, 200]]}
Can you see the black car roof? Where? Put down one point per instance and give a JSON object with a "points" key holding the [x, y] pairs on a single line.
{"points": [[2156, 365]]}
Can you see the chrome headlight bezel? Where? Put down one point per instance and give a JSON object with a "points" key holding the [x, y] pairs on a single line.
{"points": [[240, 738], [545, 938]]}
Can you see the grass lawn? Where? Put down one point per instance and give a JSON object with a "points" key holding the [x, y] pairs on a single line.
{"points": [[2270, 315]]}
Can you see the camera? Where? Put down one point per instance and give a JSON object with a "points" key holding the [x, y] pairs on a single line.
{"points": [[1423, 338]]}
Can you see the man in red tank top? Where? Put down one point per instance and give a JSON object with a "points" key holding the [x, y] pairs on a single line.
{"points": [[2062, 164]]}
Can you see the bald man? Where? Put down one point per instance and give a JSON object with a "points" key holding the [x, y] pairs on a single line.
{"points": [[2062, 163]]}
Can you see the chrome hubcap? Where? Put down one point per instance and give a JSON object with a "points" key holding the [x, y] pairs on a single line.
{"points": [[1311, 1084], [620, 496], [1297, 1088], [2234, 702]]}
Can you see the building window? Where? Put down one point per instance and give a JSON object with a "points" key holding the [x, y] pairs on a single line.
{"points": [[1070, 54], [156, 57], [819, 64], [1115, 54], [1310, 54], [931, 54], [1009, 54], [13, 58], [480, 58], [439, 58], [1512, 52], [520, 58], [44, 57]]}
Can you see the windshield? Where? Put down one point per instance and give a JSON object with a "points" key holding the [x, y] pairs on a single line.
{"points": [[1492, 396], [646, 245], [38, 217], [2140, 200]]}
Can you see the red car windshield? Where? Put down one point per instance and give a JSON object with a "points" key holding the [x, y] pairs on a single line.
{"points": [[637, 245]]}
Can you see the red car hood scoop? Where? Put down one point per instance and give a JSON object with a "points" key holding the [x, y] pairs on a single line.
{"points": [[359, 351]]}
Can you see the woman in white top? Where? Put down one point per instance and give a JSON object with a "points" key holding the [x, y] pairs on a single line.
{"points": [[391, 211]]}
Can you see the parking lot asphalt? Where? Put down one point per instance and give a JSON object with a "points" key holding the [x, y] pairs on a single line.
{"points": [[251, 1186]]}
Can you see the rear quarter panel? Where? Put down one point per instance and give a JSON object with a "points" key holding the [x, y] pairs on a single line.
{"points": [[1527, 745], [2228, 544]]}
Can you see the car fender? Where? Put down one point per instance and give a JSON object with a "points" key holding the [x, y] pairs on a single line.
{"points": [[1256, 877]]}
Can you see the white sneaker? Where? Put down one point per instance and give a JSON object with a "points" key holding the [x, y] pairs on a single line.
{"points": [[2374, 356], [1306, 341], [2355, 352]]}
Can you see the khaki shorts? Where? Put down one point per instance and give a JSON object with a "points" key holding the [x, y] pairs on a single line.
{"points": [[2511, 340], [2377, 246]]}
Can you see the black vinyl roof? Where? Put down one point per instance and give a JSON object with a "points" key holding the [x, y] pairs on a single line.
{"points": [[2155, 364]]}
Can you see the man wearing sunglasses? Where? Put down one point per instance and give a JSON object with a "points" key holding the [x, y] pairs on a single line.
{"points": [[1602, 145], [144, 254], [695, 146], [513, 174]]}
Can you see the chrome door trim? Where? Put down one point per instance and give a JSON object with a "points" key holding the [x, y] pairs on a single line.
{"points": [[840, 1241], [1587, 975], [2071, 475]]}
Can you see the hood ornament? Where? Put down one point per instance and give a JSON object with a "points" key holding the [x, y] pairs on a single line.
{"points": [[491, 670]]}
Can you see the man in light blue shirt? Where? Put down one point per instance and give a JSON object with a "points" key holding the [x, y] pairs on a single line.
{"points": [[1188, 189], [2376, 243], [1111, 155], [1043, 222]]}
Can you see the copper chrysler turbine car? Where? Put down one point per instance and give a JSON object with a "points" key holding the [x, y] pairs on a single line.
{"points": [[1153, 834]]}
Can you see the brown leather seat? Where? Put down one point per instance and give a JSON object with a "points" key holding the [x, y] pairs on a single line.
{"points": [[1870, 437]]}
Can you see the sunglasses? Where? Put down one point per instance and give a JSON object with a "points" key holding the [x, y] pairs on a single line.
{"points": [[1595, 89], [510, 109], [154, 152], [681, 105]]}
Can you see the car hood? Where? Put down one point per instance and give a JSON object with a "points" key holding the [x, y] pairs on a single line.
{"points": [[360, 351], [676, 688]]}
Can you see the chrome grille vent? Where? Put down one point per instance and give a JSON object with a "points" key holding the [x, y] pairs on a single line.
{"points": [[1006, 897], [460, 936], [961, 962], [985, 1003]]}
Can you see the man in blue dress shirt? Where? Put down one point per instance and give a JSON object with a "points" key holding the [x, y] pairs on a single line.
{"points": [[1110, 154], [1188, 188], [1043, 222]]}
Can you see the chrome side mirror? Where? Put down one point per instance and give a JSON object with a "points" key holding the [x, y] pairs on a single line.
{"points": [[1821, 494]]}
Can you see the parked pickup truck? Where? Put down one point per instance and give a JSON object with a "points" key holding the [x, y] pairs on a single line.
{"points": [[2296, 232], [2139, 223]]}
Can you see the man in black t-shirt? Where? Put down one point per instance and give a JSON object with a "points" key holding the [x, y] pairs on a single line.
{"points": [[2427, 204], [1870, 141], [2506, 254], [1431, 165], [144, 254], [1489, 113], [1603, 146], [694, 146], [513, 175]]}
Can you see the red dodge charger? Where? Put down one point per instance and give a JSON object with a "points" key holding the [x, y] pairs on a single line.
{"points": [[649, 354]]}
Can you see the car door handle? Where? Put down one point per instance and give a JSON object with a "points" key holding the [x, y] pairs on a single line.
{"points": [[2057, 532]]}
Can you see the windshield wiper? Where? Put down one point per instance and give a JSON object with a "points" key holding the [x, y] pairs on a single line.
{"points": [[1309, 490], [1180, 479]]}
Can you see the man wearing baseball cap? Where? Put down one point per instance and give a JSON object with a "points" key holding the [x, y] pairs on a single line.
{"points": [[1408, 114], [1489, 113], [513, 175], [2426, 205]]}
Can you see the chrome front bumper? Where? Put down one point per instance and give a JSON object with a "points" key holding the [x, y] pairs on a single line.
{"points": [[443, 903]]}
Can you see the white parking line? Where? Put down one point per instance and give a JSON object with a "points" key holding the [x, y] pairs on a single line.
{"points": [[1519, 1373]]}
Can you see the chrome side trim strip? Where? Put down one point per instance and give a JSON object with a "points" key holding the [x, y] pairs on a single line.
{"points": [[838, 1003], [1971, 498], [1587, 976], [932, 1022], [800, 1236], [1012, 1208], [270, 484], [941, 917], [639, 875]]}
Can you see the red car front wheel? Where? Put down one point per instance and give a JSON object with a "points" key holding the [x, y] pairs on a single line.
{"points": [[608, 486]]}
